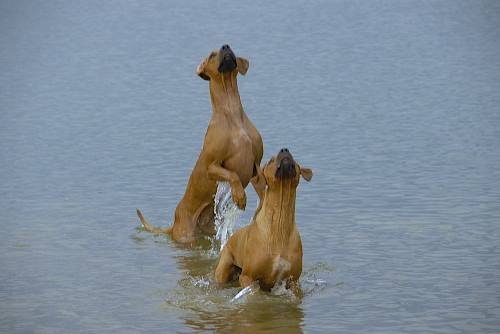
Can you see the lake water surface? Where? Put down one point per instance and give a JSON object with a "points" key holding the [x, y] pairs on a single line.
{"points": [[395, 105]]}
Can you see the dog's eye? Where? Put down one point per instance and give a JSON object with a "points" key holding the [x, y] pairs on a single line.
{"points": [[211, 55]]}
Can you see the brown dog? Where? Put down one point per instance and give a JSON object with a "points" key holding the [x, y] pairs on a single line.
{"points": [[232, 150], [269, 250]]}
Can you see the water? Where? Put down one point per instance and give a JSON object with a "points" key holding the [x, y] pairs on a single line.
{"points": [[393, 104], [227, 215]]}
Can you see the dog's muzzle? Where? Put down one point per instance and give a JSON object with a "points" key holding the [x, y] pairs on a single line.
{"points": [[227, 59], [285, 168]]}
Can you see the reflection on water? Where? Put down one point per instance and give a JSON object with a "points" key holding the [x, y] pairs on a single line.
{"points": [[256, 314]]}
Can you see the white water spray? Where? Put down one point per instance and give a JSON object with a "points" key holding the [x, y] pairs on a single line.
{"points": [[227, 214], [249, 290]]}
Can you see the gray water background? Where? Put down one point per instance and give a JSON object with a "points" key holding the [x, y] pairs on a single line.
{"points": [[395, 105]]}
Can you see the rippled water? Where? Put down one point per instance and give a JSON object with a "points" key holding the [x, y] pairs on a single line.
{"points": [[393, 104]]}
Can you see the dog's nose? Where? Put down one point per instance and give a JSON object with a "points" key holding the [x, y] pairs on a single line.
{"points": [[225, 47], [285, 167]]}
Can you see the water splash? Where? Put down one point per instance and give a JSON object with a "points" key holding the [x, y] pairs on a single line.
{"points": [[250, 289], [280, 289], [227, 214], [201, 282], [312, 284]]}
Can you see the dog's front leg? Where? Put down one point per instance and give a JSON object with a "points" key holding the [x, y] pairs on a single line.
{"points": [[245, 280], [225, 270], [217, 172]]}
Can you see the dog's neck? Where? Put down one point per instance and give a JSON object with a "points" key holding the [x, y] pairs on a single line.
{"points": [[277, 216], [225, 98]]}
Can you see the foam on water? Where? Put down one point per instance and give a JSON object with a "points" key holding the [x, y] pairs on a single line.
{"points": [[227, 214]]}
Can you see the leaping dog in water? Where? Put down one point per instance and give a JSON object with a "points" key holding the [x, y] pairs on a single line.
{"points": [[232, 150]]}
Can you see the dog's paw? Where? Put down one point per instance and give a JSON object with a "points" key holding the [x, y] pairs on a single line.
{"points": [[239, 197]]}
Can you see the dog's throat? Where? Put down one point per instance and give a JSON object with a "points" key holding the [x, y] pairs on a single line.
{"points": [[279, 212], [226, 100]]}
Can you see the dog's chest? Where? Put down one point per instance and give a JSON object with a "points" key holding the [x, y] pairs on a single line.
{"points": [[281, 266], [241, 138]]}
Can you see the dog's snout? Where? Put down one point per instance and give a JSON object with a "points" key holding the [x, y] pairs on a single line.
{"points": [[285, 167], [227, 59], [284, 152]]}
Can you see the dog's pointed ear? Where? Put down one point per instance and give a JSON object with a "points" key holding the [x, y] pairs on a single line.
{"points": [[259, 182], [243, 65], [200, 71], [306, 173]]}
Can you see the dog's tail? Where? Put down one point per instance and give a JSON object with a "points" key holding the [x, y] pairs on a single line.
{"points": [[150, 228]]}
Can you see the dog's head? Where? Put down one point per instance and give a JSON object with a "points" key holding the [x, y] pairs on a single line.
{"points": [[280, 169], [222, 61]]}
